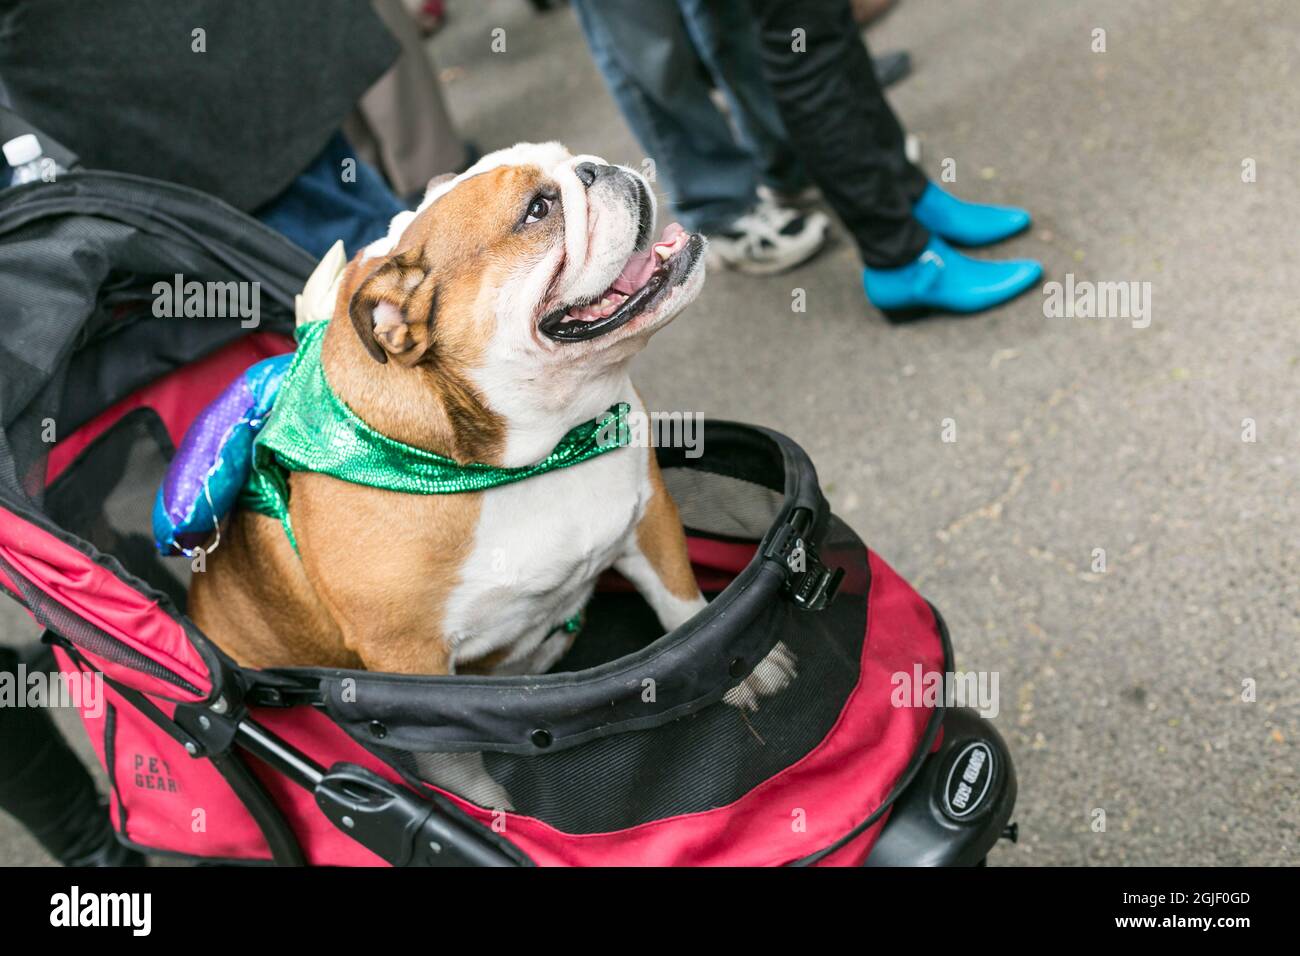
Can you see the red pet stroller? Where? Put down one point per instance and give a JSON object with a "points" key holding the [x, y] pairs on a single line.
{"points": [[624, 755]]}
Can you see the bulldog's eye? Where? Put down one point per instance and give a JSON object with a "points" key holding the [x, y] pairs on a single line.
{"points": [[538, 210]]}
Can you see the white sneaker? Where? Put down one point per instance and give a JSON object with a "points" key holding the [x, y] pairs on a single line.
{"points": [[769, 239]]}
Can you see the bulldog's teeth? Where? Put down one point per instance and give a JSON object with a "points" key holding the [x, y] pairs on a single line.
{"points": [[603, 309], [663, 252]]}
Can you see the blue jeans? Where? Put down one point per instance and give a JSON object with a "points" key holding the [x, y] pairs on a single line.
{"points": [[319, 207], [650, 53]]}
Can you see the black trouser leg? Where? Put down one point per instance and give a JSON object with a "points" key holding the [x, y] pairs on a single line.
{"points": [[847, 136], [47, 789]]}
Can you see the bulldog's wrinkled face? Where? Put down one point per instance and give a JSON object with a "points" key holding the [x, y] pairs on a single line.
{"points": [[532, 258]]}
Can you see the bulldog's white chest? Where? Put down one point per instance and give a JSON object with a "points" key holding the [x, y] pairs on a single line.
{"points": [[539, 546]]}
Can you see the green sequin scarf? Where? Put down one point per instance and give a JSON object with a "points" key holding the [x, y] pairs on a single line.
{"points": [[311, 429]]}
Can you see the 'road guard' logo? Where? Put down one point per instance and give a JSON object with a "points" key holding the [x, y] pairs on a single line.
{"points": [[968, 781]]}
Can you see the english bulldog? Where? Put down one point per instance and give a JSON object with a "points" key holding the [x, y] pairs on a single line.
{"points": [[487, 324]]}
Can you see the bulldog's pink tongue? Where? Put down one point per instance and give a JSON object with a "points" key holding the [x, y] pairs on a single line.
{"points": [[636, 272], [638, 269]]}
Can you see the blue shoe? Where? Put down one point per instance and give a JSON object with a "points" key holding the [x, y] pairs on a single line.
{"points": [[967, 223], [944, 280]]}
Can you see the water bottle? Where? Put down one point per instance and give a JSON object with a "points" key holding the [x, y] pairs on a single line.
{"points": [[30, 164]]}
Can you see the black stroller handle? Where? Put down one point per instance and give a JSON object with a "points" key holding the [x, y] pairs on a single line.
{"points": [[386, 818]]}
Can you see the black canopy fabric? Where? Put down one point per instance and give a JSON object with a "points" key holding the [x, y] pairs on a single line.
{"points": [[123, 85], [78, 261]]}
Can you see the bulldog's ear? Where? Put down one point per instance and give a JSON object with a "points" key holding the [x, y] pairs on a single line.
{"points": [[394, 309]]}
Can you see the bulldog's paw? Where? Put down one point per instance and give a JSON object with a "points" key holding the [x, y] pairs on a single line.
{"points": [[772, 675]]}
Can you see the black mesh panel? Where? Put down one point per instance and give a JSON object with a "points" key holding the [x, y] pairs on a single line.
{"points": [[106, 497]]}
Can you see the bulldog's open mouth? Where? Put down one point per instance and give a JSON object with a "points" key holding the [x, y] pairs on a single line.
{"points": [[642, 284]]}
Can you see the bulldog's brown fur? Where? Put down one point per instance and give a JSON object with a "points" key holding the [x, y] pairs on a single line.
{"points": [[376, 568]]}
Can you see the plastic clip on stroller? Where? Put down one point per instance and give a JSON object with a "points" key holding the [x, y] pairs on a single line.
{"points": [[810, 584], [625, 754]]}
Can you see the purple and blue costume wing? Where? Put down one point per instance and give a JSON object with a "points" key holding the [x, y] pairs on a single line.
{"points": [[210, 467]]}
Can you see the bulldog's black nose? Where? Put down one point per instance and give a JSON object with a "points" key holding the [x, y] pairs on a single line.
{"points": [[588, 173]]}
